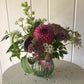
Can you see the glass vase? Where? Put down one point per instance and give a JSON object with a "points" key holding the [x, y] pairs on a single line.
{"points": [[41, 71]]}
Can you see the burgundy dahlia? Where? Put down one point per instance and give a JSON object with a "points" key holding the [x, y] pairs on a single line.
{"points": [[60, 32], [27, 42], [45, 33], [61, 37]]}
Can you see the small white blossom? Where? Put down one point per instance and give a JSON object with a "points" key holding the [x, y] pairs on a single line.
{"points": [[45, 45], [48, 48]]}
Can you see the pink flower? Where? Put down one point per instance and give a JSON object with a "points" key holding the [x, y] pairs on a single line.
{"points": [[45, 33], [45, 63]]}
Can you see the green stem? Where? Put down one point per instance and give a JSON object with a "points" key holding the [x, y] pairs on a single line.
{"points": [[23, 51], [13, 41], [67, 43]]}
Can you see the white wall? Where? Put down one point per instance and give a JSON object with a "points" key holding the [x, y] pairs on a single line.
{"points": [[64, 12], [78, 54]]}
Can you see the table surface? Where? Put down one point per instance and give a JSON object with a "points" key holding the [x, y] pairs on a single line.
{"points": [[64, 73]]}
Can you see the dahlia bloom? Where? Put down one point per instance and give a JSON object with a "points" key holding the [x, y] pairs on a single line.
{"points": [[45, 33], [61, 37], [60, 32]]}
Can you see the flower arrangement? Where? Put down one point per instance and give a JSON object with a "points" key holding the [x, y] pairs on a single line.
{"points": [[44, 41]]}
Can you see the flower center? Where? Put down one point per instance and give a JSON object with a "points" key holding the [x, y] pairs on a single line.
{"points": [[44, 31]]}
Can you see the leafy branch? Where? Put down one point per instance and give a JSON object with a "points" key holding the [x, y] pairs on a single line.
{"points": [[28, 25], [75, 37], [59, 49]]}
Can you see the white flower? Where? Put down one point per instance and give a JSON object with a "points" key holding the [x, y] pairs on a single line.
{"points": [[51, 49], [48, 48], [45, 45]]}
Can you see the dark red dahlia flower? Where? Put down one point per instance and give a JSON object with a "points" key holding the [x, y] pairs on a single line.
{"points": [[27, 42], [61, 37], [60, 32], [45, 33]]}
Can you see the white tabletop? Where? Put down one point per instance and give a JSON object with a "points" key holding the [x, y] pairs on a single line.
{"points": [[64, 73]]}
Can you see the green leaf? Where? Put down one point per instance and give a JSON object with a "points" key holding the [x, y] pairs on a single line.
{"points": [[55, 45], [16, 22], [37, 23], [13, 54], [61, 47], [20, 19], [25, 13], [10, 48], [25, 65], [5, 37], [25, 9], [24, 4], [13, 41], [64, 52], [25, 36], [16, 54], [32, 13], [16, 43], [10, 59], [56, 55], [22, 47], [61, 54]]}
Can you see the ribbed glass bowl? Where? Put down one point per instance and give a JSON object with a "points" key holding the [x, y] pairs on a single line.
{"points": [[41, 71]]}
